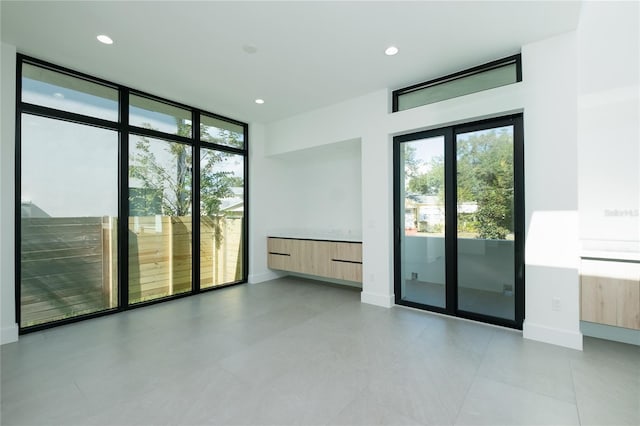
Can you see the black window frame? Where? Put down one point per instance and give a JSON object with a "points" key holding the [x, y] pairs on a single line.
{"points": [[124, 130], [499, 63]]}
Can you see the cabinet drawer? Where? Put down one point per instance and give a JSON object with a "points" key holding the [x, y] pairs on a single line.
{"points": [[629, 304], [598, 301], [279, 261], [610, 293], [351, 252], [279, 245], [346, 271]]}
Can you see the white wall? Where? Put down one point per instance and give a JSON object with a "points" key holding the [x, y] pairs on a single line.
{"points": [[377, 211], [551, 204], [263, 197], [309, 192], [322, 191], [341, 122], [608, 129], [9, 328], [548, 97]]}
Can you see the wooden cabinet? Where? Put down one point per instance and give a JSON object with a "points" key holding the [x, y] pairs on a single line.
{"points": [[346, 261], [331, 259], [279, 253], [610, 293]]}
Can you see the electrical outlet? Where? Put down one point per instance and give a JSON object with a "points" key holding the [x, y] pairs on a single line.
{"points": [[414, 276], [555, 304]]}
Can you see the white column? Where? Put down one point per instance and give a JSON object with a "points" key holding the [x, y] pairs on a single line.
{"points": [[377, 219]]}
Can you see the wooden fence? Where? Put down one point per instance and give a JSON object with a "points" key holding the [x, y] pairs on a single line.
{"points": [[220, 262], [159, 256], [62, 268], [69, 265]]}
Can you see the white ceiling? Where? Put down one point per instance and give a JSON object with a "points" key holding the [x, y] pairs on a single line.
{"points": [[309, 54]]}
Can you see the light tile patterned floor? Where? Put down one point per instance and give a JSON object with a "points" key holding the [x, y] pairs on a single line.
{"points": [[294, 351]]}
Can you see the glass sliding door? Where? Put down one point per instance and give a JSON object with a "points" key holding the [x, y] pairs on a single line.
{"points": [[222, 202], [422, 216], [160, 180], [485, 222], [469, 178]]}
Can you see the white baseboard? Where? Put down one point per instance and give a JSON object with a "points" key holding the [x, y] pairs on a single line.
{"points": [[9, 334], [384, 300], [555, 336], [265, 276]]}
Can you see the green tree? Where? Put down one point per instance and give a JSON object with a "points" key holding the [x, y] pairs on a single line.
{"points": [[165, 179], [164, 185], [431, 182], [484, 173], [215, 184], [411, 163]]}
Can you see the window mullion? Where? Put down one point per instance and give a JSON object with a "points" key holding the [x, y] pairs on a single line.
{"points": [[195, 207], [123, 207]]}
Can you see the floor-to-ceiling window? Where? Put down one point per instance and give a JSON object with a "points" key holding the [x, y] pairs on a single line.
{"points": [[124, 198], [459, 218], [69, 214], [221, 198]]}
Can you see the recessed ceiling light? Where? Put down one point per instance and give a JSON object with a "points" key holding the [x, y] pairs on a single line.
{"points": [[391, 50], [104, 39], [260, 101]]}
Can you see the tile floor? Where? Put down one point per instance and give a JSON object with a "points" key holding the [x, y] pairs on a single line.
{"points": [[294, 351]]}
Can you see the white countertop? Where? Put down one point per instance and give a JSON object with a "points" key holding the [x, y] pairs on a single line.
{"points": [[611, 255], [628, 251], [329, 235]]}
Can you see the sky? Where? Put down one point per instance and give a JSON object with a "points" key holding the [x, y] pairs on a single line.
{"points": [[70, 169]]}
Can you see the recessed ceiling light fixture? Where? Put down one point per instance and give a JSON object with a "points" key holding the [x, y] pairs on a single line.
{"points": [[391, 50], [104, 39], [260, 101]]}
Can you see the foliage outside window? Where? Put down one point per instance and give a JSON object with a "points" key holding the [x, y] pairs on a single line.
{"points": [[484, 172]]}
